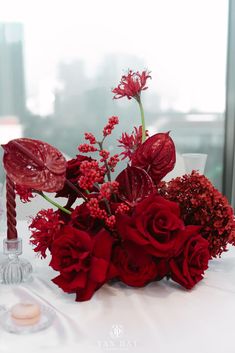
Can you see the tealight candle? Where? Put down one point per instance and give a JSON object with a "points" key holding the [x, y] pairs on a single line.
{"points": [[26, 314]]}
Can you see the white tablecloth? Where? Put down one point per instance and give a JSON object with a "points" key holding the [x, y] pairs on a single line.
{"points": [[159, 318]]}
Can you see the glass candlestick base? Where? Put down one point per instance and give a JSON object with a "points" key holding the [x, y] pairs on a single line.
{"points": [[14, 269]]}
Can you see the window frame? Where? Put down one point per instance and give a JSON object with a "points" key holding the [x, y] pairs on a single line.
{"points": [[229, 148]]}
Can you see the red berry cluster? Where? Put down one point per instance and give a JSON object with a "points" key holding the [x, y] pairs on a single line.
{"points": [[90, 137], [85, 148], [122, 208], [110, 126], [97, 212], [104, 154], [108, 189], [91, 173], [110, 222], [113, 161]]}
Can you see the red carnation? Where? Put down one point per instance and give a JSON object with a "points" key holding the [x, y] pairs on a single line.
{"points": [[83, 261], [156, 155], [131, 85], [188, 268]]}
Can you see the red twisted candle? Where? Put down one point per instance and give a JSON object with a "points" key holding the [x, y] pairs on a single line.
{"points": [[11, 210]]}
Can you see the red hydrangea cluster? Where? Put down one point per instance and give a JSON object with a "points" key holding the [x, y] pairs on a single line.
{"points": [[132, 227], [202, 204]]}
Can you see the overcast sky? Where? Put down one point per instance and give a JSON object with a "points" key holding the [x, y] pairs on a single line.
{"points": [[183, 42]]}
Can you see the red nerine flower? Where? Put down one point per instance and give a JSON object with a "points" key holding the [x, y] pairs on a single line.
{"points": [[131, 85], [45, 227], [156, 155], [24, 193], [131, 142]]}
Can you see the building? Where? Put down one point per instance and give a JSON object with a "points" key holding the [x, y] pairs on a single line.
{"points": [[12, 82]]}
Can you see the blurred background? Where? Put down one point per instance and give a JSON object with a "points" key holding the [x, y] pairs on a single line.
{"points": [[59, 61]]}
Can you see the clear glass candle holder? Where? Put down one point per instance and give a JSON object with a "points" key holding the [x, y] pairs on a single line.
{"points": [[14, 269], [194, 161]]}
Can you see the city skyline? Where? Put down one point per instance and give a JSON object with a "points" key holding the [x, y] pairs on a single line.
{"points": [[183, 54], [12, 77]]}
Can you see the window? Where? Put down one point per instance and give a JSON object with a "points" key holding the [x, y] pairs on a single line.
{"points": [[60, 59]]}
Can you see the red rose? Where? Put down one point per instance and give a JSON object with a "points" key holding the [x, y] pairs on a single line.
{"points": [[135, 267], [155, 225], [81, 219], [188, 268], [82, 260]]}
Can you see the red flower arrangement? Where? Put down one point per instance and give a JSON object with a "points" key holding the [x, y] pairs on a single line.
{"points": [[136, 228]]}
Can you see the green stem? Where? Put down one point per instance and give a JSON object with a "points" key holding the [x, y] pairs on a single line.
{"points": [[54, 203], [142, 120]]}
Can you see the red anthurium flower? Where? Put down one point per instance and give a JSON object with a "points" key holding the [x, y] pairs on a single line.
{"points": [[134, 185], [156, 155], [34, 164], [131, 85]]}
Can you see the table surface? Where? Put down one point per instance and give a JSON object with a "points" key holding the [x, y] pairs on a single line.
{"points": [[160, 318]]}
